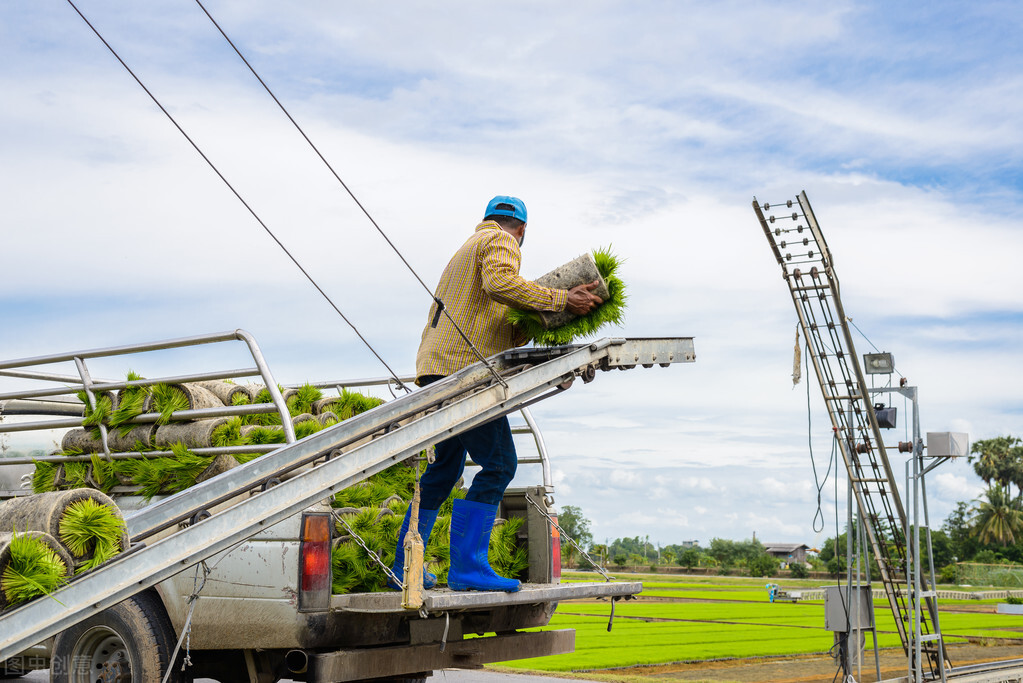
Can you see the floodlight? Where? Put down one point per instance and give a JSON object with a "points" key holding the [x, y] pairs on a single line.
{"points": [[878, 363], [885, 416]]}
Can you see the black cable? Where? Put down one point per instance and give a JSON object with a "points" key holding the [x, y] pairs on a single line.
{"points": [[309, 277], [440, 304], [818, 483]]}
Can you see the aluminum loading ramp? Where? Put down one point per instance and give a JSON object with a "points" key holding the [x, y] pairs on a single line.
{"points": [[320, 465]]}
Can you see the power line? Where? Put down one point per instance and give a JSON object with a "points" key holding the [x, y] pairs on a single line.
{"points": [[259, 220], [440, 304]]}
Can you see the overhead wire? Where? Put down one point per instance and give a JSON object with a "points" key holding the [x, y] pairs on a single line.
{"points": [[441, 308], [259, 220]]}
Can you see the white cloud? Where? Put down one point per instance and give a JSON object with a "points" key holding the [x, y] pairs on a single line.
{"points": [[647, 126]]}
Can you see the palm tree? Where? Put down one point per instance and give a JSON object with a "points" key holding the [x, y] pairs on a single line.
{"points": [[997, 519]]}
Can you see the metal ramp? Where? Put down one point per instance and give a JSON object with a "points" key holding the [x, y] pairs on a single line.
{"points": [[318, 466], [808, 270]]}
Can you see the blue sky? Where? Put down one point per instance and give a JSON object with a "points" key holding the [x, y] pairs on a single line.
{"points": [[646, 125]]}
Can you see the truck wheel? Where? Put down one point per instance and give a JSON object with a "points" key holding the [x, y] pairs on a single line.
{"points": [[129, 643]]}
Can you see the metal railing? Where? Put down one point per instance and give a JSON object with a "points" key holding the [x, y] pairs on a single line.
{"points": [[28, 402]]}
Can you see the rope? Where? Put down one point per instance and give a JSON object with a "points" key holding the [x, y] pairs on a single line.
{"points": [[186, 631], [441, 308], [266, 228], [818, 517]]}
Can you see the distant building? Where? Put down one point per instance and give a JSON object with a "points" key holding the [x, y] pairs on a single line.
{"points": [[789, 553], [690, 544]]}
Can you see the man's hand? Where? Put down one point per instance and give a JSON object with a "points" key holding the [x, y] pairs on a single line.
{"points": [[581, 300]]}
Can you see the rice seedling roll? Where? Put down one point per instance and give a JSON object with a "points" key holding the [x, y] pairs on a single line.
{"points": [[32, 563], [198, 434], [168, 399], [225, 391], [84, 520]]}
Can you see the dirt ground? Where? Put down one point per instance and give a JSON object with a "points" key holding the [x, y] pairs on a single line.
{"points": [[814, 668]]}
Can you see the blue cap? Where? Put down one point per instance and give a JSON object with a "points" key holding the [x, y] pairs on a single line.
{"points": [[506, 206]]}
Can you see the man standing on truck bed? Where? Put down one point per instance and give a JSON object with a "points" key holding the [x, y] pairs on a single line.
{"points": [[478, 285]]}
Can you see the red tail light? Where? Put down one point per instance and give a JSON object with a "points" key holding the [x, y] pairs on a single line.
{"points": [[555, 551], [314, 562]]}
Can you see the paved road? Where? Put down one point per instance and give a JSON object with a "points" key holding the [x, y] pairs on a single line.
{"points": [[451, 676]]}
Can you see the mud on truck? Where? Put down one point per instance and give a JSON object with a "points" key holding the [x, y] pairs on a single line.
{"points": [[231, 570]]}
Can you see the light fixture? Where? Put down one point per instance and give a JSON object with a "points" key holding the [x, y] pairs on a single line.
{"points": [[885, 416], [878, 363]]}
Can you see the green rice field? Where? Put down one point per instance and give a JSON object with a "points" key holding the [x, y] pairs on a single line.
{"points": [[686, 618]]}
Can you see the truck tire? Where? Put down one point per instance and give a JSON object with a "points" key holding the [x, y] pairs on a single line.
{"points": [[130, 641]]}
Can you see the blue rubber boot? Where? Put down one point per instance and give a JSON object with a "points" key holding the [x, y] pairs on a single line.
{"points": [[426, 520], [471, 524]]}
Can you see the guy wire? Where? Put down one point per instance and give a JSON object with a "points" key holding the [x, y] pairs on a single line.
{"points": [[309, 277], [441, 308]]}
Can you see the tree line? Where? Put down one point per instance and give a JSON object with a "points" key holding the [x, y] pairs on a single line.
{"points": [[747, 556], [986, 530]]}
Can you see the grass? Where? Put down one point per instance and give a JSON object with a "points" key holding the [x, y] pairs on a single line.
{"points": [[707, 618]]}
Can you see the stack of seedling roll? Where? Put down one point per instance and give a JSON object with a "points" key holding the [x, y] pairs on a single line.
{"points": [[372, 509], [52, 536]]}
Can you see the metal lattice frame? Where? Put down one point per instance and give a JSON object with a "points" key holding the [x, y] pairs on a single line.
{"points": [[808, 270]]}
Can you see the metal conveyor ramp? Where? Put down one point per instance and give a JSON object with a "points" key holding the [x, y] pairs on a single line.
{"points": [[321, 465]]}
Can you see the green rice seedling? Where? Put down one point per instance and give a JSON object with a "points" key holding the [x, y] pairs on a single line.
{"points": [[363, 523], [103, 551], [438, 550], [351, 403], [265, 419], [90, 529], [150, 475], [183, 468], [76, 475], [343, 558], [96, 416], [240, 399], [243, 458], [104, 474], [609, 312], [131, 402], [356, 496], [168, 400], [264, 435], [307, 428], [388, 526], [303, 399], [34, 569], [43, 477], [504, 554], [379, 491], [229, 434], [448, 505]]}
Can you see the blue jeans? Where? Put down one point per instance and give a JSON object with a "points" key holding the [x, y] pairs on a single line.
{"points": [[491, 447]]}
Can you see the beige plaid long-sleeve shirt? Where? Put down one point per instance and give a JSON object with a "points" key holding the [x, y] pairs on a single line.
{"points": [[478, 285]]}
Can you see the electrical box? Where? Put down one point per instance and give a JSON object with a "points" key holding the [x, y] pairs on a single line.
{"points": [[945, 444], [838, 616]]}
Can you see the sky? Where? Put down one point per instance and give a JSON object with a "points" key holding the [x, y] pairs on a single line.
{"points": [[647, 126]]}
